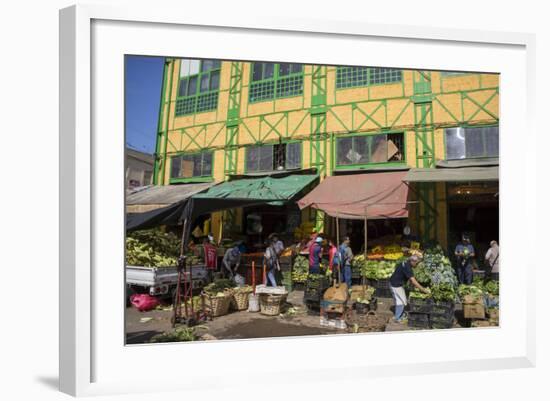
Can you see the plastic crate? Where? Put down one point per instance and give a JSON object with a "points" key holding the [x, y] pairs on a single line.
{"points": [[419, 320], [298, 286], [419, 305], [443, 307], [441, 321], [383, 293], [322, 283]]}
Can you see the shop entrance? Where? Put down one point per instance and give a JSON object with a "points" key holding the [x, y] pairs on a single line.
{"points": [[473, 209], [378, 229]]}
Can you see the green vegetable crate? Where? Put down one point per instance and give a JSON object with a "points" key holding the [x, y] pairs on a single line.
{"points": [[443, 308], [382, 288], [441, 321]]}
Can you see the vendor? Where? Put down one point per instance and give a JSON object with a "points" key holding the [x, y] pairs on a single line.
{"points": [[404, 273], [210, 257], [347, 256], [465, 254], [277, 243], [333, 259], [272, 262], [232, 260], [315, 254]]}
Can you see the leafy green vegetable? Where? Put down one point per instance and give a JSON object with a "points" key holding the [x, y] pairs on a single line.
{"points": [[300, 269], [492, 287], [177, 335], [152, 248], [443, 292], [219, 286], [419, 295], [471, 290]]}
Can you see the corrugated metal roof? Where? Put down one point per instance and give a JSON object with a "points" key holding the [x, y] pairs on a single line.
{"points": [[458, 174], [165, 194]]}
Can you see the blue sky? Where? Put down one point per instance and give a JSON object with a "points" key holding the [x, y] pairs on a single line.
{"points": [[143, 81]]}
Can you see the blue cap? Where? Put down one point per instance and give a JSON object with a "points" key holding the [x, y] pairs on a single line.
{"points": [[318, 239]]}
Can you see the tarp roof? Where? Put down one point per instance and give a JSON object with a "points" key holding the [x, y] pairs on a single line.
{"points": [[458, 174], [164, 194], [382, 195], [271, 188], [227, 195]]}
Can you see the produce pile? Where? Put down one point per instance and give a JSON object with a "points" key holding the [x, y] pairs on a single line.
{"points": [[438, 267], [300, 270], [378, 270], [152, 248], [219, 287], [368, 293], [492, 288], [415, 294], [388, 252], [473, 291]]}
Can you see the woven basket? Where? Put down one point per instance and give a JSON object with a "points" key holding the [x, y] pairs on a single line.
{"points": [[239, 300], [271, 304], [218, 306]]}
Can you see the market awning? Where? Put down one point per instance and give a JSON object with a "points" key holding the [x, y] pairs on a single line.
{"points": [[380, 195], [458, 174], [160, 204], [153, 197]]}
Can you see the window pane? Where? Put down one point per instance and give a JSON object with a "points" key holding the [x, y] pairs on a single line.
{"points": [[207, 164], [176, 167], [343, 149], [194, 66], [207, 65], [214, 80], [474, 142], [491, 141], [360, 151], [257, 72], [266, 158], [293, 155], [379, 146], [284, 69], [268, 70], [204, 83], [183, 87], [216, 64], [295, 68], [192, 89], [184, 68], [456, 145], [187, 166], [252, 155], [197, 165]]}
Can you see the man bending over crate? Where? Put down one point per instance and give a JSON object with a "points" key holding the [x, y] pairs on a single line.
{"points": [[403, 273]]}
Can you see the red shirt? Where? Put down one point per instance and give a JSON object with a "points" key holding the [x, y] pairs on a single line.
{"points": [[210, 256], [331, 252]]}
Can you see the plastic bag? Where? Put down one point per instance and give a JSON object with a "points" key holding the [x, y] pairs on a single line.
{"points": [[239, 280], [144, 302]]}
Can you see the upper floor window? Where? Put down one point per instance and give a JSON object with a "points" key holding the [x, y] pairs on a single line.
{"points": [[350, 77], [370, 149], [472, 142], [192, 165], [264, 158], [270, 81], [198, 86], [452, 73]]}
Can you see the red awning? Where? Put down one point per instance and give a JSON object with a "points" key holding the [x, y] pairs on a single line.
{"points": [[382, 195]]}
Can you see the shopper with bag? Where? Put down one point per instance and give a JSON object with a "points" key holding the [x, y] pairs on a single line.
{"points": [[492, 262]]}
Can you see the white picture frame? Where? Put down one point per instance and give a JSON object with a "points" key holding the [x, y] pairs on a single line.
{"points": [[93, 358]]}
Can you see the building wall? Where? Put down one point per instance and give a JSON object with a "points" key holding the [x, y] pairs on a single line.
{"points": [[421, 106]]}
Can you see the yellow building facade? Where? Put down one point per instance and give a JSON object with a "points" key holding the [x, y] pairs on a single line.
{"points": [[219, 119]]}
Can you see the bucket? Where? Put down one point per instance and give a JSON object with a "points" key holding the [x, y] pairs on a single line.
{"points": [[253, 303]]}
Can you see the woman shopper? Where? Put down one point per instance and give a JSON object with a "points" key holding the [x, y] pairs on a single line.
{"points": [[404, 273]]}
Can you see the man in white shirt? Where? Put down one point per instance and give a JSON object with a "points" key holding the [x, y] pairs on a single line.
{"points": [[492, 260]]}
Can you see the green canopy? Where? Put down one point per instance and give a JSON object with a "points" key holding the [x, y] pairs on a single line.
{"points": [[268, 189]]}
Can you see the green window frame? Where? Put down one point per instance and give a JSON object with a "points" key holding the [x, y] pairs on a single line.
{"points": [[196, 166], [472, 142], [453, 73], [273, 157], [353, 77], [360, 150], [270, 81], [198, 86]]}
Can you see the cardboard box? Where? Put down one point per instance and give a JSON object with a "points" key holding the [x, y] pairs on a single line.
{"points": [[474, 311]]}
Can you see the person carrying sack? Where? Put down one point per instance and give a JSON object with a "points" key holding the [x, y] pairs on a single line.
{"points": [[491, 262]]}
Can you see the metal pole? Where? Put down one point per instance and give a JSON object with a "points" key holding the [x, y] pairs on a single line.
{"points": [[337, 232], [366, 230]]}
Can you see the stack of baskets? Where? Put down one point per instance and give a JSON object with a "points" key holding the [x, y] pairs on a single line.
{"points": [[270, 304], [239, 298], [218, 305]]}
